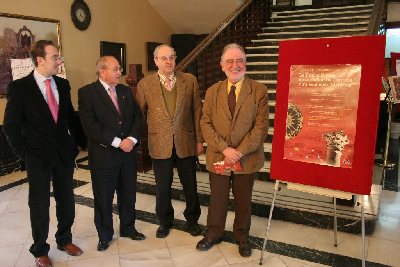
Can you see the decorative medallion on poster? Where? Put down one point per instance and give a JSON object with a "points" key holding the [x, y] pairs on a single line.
{"points": [[322, 114]]}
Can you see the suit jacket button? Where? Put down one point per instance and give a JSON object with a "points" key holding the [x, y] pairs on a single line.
{"points": [[120, 122]]}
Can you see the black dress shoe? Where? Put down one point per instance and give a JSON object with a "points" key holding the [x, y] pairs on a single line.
{"points": [[135, 236], [244, 249], [163, 231], [205, 244], [194, 229], [101, 246]]}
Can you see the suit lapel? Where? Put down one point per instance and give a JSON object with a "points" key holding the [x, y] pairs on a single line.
{"points": [[37, 97], [157, 94], [121, 99], [222, 97], [61, 99], [181, 90], [101, 91]]}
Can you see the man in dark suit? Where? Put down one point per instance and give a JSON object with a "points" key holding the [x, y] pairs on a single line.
{"points": [[37, 123], [234, 125], [171, 102], [112, 121]]}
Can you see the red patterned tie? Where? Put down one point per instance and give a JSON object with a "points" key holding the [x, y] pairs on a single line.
{"points": [[113, 98], [167, 84], [51, 100]]}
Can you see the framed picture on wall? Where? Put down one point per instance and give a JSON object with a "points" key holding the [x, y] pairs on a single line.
{"points": [[117, 50], [18, 33], [150, 55]]}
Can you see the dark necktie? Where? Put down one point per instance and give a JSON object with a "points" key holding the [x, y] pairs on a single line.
{"points": [[232, 99]]}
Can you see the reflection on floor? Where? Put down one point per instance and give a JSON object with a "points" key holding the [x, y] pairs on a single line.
{"points": [[290, 244]]}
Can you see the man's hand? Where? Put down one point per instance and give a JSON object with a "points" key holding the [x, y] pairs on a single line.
{"points": [[199, 148], [126, 145], [231, 155]]}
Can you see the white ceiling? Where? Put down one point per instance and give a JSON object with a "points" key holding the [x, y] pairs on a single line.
{"points": [[194, 16]]}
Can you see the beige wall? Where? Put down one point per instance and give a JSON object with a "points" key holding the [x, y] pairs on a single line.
{"points": [[125, 21], [393, 12]]}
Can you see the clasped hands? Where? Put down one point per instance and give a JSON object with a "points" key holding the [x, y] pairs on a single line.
{"points": [[231, 155], [126, 145]]}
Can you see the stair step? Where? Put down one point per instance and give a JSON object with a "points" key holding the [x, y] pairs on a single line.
{"points": [[262, 75], [326, 26], [267, 82], [321, 34], [264, 66], [326, 9], [337, 15], [271, 109], [262, 57], [273, 41], [312, 33], [273, 49], [317, 21]]}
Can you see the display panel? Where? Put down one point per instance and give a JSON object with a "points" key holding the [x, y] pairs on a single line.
{"points": [[361, 58]]}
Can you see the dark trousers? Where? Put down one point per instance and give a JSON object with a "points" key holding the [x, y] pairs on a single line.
{"points": [[40, 172], [105, 182], [242, 187], [163, 171]]}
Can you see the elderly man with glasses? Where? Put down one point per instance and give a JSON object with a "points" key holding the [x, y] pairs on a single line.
{"points": [[234, 125], [171, 102], [112, 121]]}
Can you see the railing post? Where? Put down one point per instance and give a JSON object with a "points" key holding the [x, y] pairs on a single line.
{"points": [[376, 17]]}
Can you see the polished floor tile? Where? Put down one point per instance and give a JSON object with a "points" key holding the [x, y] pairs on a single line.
{"points": [[178, 249]]}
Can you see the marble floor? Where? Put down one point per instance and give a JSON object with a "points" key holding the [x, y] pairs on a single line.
{"points": [[289, 244]]}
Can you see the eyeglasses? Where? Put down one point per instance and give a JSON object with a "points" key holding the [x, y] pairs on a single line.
{"points": [[165, 59], [57, 58], [118, 69], [240, 61]]}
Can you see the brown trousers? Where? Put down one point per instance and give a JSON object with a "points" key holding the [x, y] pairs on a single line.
{"points": [[242, 187]]}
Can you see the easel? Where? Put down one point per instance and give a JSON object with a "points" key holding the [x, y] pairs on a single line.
{"points": [[389, 100], [321, 191]]}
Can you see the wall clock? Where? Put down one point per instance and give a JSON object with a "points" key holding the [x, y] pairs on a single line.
{"points": [[80, 14]]}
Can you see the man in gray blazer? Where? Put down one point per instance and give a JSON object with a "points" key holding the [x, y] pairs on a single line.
{"points": [[171, 102]]}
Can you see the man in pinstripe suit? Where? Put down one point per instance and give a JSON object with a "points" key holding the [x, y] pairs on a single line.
{"points": [[171, 102]]}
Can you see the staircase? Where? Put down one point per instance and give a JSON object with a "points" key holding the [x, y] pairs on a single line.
{"points": [[262, 57]]}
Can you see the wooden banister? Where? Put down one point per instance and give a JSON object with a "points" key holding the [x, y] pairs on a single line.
{"points": [[376, 18], [206, 41], [241, 26]]}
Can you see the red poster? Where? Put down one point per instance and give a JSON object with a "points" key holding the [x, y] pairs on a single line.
{"points": [[322, 114], [327, 106]]}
